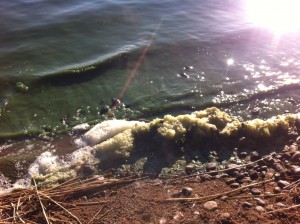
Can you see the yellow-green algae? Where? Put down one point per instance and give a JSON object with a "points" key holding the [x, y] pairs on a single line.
{"points": [[170, 133], [199, 124]]}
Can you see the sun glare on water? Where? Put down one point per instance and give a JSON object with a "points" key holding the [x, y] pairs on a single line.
{"points": [[280, 16]]}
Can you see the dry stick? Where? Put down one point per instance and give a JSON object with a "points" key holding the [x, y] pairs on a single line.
{"points": [[105, 214], [283, 209], [38, 196], [291, 184], [100, 210], [213, 196], [55, 202], [17, 212], [14, 213], [219, 171], [257, 196]]}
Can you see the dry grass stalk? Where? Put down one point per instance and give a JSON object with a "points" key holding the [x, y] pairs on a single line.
{"points": [[283, 209], [42, 206], [224, 170], [55, 202], [210, 197], [19, 206], [93, 218]]}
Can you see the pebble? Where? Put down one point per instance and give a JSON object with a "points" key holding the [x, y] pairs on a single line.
{"points": [[211, 166], [210, 205], [224, 198], [253, 174], [269, 207], [247, 205], [259, 209], [234, 185], [283, 183], [205, 177], [296, 157], [277, 190], [246, 180], [280, 205], [243, 154], [229, 180], [255, 191], [225, 216], [254, 156], [260, 202], [187, 191], [295, 170], [190, 168]]}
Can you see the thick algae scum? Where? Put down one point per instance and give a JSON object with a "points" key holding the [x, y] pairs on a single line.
{"points": [[169, 135]]}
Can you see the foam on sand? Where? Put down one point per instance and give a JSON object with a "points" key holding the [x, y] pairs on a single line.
{"points": [[107, 129], [116, 139]]}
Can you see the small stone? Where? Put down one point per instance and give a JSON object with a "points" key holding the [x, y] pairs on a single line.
{"points": [[210, 205], [247, 205], [260, 202], [205, 177], [243, 155], [229, 180], [280, 205], [225, 216], [283, 183], [259, 209], [211, 166], [190, 168], [224, 198], [240, 176], [246, 180], [233, 169], [295, 170], [269, 207], [253, 174], [277, 176], [277, 190], [255, 191], [186, 191], [296, 157], [254, 156], [263, 168], [234, 185], [263, 173]]}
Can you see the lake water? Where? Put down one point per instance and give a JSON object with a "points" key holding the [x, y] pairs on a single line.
{"points": [[61, 62]]}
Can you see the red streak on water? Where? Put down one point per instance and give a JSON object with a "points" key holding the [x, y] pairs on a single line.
{"points": [[137, 65]]}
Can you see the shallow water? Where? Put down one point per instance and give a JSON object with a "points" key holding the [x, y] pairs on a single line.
{"points": [[74, 57]]}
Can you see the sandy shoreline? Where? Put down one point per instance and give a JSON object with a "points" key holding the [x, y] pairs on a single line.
{"points": [[263, 190]]}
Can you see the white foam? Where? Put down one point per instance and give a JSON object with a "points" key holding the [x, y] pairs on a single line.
{"points": [[106, 130]]}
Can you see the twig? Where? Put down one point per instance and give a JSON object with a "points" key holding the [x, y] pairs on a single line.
{"points": [[42, 206], [105, 213], [212, 196], [100, 210], [291, 184], [219, 171], [257, 196], [17, 212], [55, 202], [283, 209]]}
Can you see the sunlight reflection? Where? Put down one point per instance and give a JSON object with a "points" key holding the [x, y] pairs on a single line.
{"points": [[280, 16]]}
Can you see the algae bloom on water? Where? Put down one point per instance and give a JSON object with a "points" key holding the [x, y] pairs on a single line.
{"points": [[119, 139]]}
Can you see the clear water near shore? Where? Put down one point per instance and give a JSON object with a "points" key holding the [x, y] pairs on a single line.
{"points": [[76, 57], [61, 63]]}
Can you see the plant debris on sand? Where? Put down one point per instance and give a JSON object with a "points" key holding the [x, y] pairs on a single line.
{"points": [[266, 190]]}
